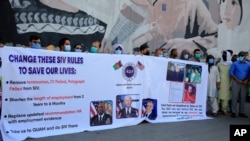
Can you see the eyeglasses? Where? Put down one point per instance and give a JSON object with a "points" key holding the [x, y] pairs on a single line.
{"points": [[78, 48]]}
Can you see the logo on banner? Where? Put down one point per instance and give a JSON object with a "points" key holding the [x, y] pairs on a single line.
{"points": [[129, 71]]}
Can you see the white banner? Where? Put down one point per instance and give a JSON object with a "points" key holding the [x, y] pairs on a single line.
{"points": [[49, 93]]}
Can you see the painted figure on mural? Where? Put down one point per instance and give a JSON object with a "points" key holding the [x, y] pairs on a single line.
{"points": [[181, 24], [159, 23], [187, 21], [233, 32]]}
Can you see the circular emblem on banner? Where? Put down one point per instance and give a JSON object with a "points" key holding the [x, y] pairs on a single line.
{"points": [[129, 71]]}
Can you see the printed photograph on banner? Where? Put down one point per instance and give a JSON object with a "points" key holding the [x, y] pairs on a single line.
{"points": [[127, 106], [176, 92], [189, 93], [193, 73], [175, 71], [101, 113], [149, 108]]}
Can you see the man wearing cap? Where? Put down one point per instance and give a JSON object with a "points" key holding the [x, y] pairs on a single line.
{"points": [[240, 72]]}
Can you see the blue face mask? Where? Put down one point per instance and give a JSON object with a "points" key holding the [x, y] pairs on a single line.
{"points": [[36, 46], [118, 52], [211, 61], [186, 56], [165, 54], [161, 55], [67, 48], [197, 55], [93, 50], [240, 58], [78, 50]]}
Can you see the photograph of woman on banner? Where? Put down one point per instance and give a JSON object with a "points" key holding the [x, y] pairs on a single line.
{"points": [[175, 71], [193, 73], [233, 31], [189, 93]]}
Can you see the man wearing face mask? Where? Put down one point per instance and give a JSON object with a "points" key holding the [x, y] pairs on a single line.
{"points": [[64, 45], [197, 55], [158, 53], [144, 49], [96, 45], [213, 85], [240, 73], [165, 52], [35, 42]]}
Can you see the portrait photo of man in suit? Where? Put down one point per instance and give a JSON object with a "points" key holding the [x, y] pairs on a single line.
{"points": [[149, 111], [128, 111], [101, 118]]}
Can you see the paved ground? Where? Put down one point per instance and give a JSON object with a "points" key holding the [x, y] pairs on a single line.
{"points": [[216, 129]]}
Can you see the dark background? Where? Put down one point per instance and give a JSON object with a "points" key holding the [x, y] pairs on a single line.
{"points": [[9, 34]]}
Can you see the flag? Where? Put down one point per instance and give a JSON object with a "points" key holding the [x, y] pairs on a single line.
{"points": [[119, 103], [117, 65], [144, 105], [93, 107], [139, 65]]}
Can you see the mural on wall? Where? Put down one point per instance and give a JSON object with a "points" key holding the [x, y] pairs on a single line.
{"points": [[180, 24], [36, 17], [233, 31], [33, 16]]}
